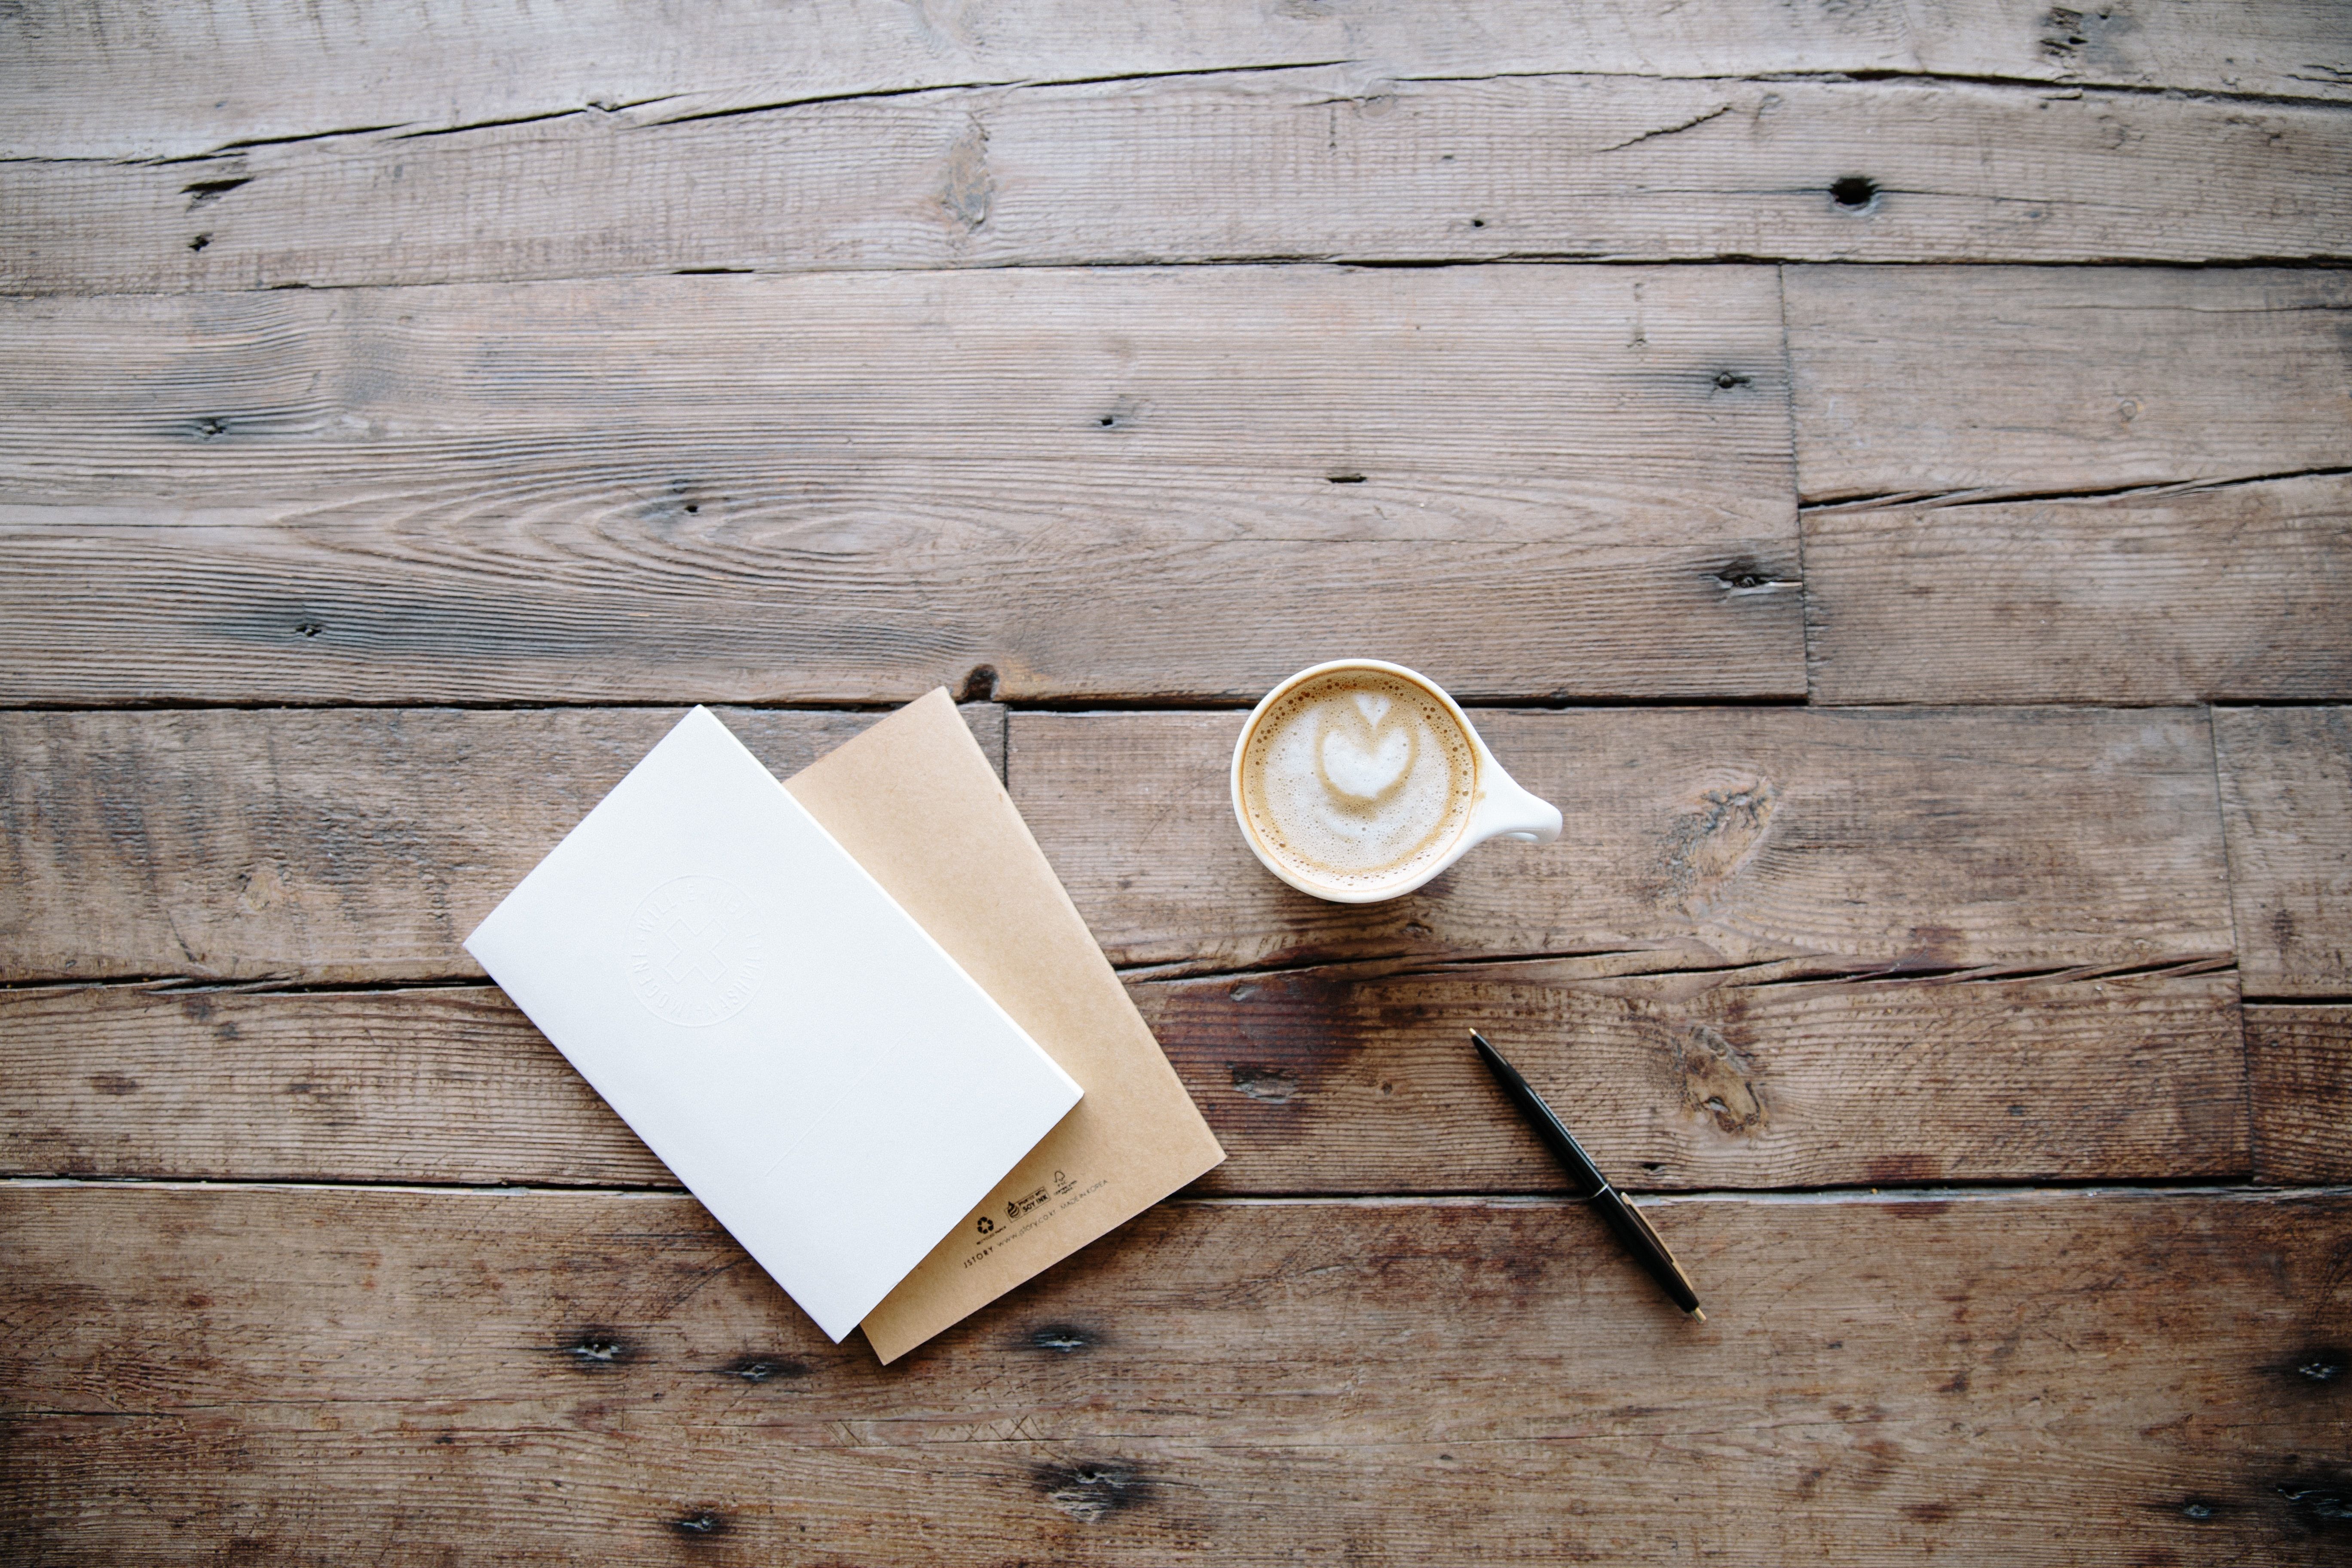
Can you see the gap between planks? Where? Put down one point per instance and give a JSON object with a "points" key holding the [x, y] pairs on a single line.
{"points": [[1883, 1193]]}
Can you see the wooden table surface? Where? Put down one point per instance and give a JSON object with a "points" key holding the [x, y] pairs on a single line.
{"points": [[1818, 440]]}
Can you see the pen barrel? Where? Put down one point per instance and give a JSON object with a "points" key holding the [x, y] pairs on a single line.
{"points": [[1644, 1243], [1631, 1229]]}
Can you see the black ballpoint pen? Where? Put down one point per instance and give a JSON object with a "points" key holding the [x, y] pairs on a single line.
{"points": [[1622, 1217]]}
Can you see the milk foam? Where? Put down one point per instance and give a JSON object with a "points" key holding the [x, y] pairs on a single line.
{"points": [[1357, 778]]}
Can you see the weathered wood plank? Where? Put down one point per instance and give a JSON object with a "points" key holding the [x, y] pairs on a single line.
{"points": [[331, 845], [1318, 163], [2287, 800], [2042, 380], [297, 1375], [2299, 1064], [1553, 479], [1839, 839], [1322, 1081], [1325, 1081], [2241, 593], [127, 79], [442, 1084]]}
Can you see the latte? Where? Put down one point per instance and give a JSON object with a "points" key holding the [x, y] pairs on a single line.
{"points": [[1357, 778]]}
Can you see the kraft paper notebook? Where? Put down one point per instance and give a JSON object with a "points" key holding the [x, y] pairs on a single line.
{"points": [[809, 1061], [919, 804]]}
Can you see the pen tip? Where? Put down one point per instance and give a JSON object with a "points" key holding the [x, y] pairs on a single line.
{"points": [[1697, 1316]]}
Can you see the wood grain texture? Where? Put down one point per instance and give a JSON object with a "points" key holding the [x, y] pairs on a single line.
{"points": [[443, 1085], [361, 844], [291, 1375], [1834, 948], [2287, 800], [2299, 1065], [2238, 593], [1320, 164], [328, 845], [1316, 1082], [1895, 839], [2044, 380], [120, 78], [1126, 483], [1332, 1081]]}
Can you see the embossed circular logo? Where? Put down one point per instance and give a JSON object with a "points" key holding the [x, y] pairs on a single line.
{"points": [[694, 955]]}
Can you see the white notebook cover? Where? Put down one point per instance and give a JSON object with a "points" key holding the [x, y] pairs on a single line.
{"points": [[807, 1060]]}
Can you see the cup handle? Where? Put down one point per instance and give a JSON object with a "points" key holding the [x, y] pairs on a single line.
{"points": [[1510, 812]]}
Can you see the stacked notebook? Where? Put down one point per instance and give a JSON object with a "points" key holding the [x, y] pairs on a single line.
{"points": [[856, 1015]]}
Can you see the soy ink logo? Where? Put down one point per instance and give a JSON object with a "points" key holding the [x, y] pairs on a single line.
{"points": [[694, 955]]}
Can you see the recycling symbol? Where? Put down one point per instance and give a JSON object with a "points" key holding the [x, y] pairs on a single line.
{"points": [[986, 1225]]}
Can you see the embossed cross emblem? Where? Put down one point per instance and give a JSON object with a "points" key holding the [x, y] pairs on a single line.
{"points": [[693, 950]]}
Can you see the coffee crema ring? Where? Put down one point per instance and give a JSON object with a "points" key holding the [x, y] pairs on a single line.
{"points": [[1357, 778]]}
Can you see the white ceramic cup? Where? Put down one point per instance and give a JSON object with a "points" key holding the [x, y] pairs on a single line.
{"points": [[1499, 808]]}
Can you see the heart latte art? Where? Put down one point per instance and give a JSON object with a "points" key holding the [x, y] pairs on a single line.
{"points": [[1357, 778]]}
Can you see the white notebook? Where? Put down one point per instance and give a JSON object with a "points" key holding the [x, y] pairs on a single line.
{"points": [[802, 1054]]}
